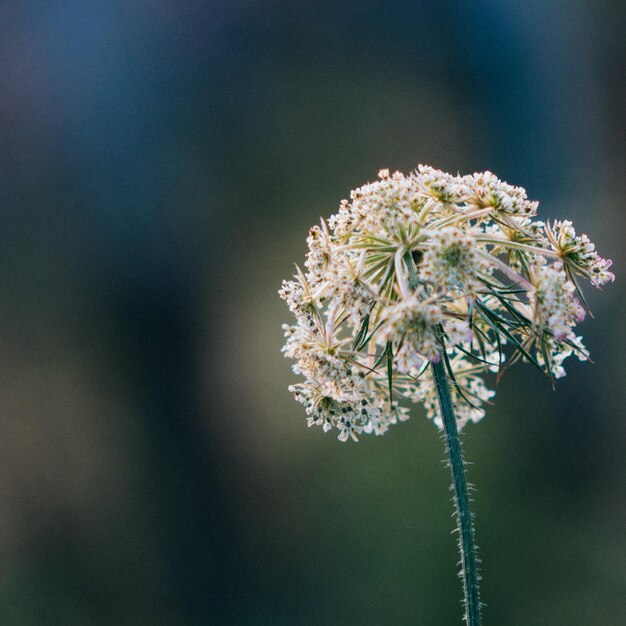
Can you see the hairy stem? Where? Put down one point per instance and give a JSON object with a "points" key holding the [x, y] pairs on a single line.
{"points": [[467, 547]]}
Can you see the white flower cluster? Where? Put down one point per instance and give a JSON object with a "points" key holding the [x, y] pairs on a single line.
{"points": [[579, 254], [452, 260], [412, 326], [555, 304], [425, 267]]}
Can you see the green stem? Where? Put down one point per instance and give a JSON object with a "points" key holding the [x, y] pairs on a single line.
{"points": [[467, 547]]}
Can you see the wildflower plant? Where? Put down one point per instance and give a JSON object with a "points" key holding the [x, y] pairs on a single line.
{"points": [[416, 291]]}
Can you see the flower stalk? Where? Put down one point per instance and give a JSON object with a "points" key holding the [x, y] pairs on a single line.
{"points": [[467, 546], [416, 291]]}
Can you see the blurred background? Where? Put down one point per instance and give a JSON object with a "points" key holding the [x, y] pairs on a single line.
{"points": [[160, 165]]}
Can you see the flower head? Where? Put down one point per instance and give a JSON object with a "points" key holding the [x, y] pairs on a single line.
{"points": [[423, 267]]}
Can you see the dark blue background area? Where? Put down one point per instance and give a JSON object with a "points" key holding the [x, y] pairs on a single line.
{"points": [[160, 164]]}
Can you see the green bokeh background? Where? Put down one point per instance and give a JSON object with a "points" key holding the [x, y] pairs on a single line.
{"points": [[160, 165]]}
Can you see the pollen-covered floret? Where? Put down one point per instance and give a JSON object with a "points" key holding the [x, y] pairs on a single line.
{"points": [[348, 286], [554, 299], [385, 204], [441, 186], [318, 259], [452, 261], [298, 297], [579, 254], [489, 191], [422, 267], [411, 327]]}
